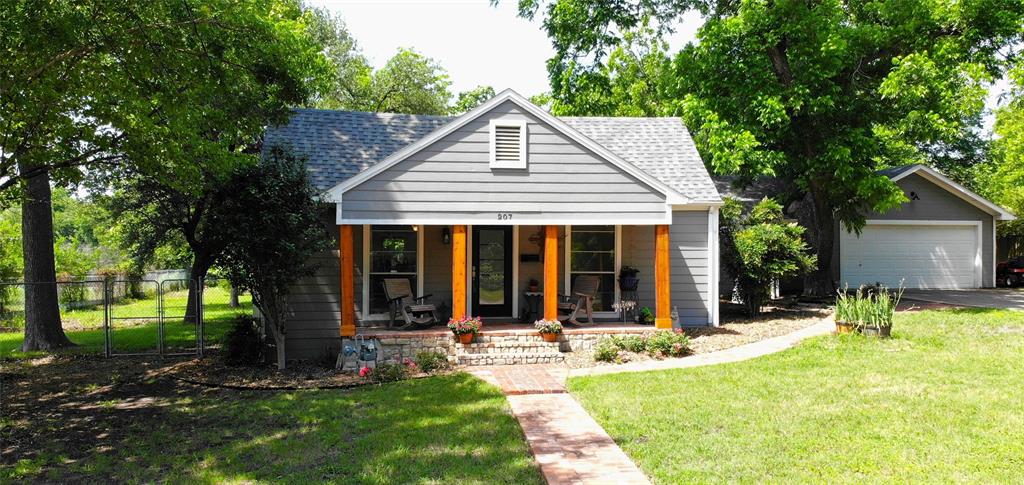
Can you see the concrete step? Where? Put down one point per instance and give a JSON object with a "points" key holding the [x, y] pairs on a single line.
{"points": [[510, 359], [509, 347]]}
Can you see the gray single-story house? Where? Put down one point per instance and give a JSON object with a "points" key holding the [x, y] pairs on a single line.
{"points": [[471, 208]]}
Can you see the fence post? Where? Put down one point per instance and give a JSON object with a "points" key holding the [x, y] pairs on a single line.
{"points": [[106, 318], [200, 318], [159, 318]]}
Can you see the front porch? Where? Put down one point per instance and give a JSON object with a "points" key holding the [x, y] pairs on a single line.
{"points": [[516, 273]]}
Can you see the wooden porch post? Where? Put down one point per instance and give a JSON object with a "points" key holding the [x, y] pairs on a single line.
{"points": [[662, 283], [346, 260], [458, 271], [550, 272]]}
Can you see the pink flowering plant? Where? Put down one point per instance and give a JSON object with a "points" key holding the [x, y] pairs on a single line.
{"points": [[365, 371], [464, 325]]}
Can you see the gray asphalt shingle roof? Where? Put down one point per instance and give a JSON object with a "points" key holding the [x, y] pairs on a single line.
{"points": [[340, 144]]}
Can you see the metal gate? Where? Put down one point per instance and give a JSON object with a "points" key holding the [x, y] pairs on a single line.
{"points": [[179, 320]]}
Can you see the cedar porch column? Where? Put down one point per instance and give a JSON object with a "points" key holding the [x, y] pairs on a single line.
{"points": [[346, 260], [551, 272], [458, 271], [662, 284]]}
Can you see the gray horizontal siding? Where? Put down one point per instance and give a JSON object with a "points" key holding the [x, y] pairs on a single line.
{"points": [[314, 310], [689, 268], [451, 180]]}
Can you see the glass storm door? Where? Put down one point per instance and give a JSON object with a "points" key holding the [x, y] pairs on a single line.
{"points": [[492, 271]]}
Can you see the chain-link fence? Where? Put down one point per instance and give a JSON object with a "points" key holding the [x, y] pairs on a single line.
{"points": [[129, 317]]}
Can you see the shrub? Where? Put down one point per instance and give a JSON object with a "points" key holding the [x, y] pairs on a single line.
{"points": [[631, 343], [672, 343], [242, 344], [605, 350], [430, 361], [760, 248], [387, 372]]}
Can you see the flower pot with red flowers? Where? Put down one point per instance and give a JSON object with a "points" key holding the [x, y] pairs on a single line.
{"points": [[465, 328], [549, 329]]}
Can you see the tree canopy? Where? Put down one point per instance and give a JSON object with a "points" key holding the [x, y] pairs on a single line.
{"points": [[822, 94], [1002, 179], [170, 89]]}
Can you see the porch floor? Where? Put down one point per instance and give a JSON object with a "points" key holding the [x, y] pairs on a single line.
{"points": [[506, 329]]}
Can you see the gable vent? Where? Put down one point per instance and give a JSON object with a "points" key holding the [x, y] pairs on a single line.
{"points": [[508, 144]]}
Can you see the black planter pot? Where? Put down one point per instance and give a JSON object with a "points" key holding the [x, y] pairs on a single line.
{"points": [[629, 283]]}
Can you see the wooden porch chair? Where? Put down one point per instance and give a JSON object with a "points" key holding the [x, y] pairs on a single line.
{"points": [[414, 310], [584, 290]]}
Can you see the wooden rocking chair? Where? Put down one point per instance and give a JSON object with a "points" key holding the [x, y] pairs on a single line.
{"points": [[415, 312], [584, 290]]}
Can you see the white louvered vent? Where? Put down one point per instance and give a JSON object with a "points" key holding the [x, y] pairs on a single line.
{"points": [[508, 144]]}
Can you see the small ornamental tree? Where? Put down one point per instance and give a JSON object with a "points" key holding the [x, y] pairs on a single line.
{"points": [[760, 248], [274, 230]]}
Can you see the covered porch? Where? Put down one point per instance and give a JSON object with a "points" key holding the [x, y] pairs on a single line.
{"points": [[490, 271]]}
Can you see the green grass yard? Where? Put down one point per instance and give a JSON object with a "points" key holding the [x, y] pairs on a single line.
{"points": [[135, 329], [940, 402], [449, 429]]}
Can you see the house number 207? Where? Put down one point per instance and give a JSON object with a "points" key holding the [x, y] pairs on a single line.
{"points": [[504, 216]]}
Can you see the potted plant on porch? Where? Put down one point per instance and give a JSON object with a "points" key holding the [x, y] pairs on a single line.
{"points": [[549, 329], [465, 328]]}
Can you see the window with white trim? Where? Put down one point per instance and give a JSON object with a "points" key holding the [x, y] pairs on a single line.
{"points": [[508, 144], [392, 254], [593, 253]]}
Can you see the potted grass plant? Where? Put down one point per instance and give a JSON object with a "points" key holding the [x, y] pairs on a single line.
{"points": [[867, 311], [465, 328], [549, 329]]}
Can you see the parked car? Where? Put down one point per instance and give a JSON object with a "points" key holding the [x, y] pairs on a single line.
{"points": [[1010, 273]]}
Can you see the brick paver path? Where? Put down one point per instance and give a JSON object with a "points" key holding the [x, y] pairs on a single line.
{"points": [[516, 380], [567, 443]]}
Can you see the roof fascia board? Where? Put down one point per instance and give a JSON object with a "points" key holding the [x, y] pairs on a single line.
{"points": [[671, 195], [937, 178]]}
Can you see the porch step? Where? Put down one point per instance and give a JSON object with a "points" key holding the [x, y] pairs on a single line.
{"points": [[510, 347], [510, 358]]}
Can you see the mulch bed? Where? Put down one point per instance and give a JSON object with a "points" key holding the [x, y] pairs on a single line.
{"points": [[735, 330]]}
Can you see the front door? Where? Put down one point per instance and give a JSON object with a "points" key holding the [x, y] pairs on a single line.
{"points": [[492, 271]]}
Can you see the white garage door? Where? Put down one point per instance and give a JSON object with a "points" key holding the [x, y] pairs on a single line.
{"points": [[922, 256]]}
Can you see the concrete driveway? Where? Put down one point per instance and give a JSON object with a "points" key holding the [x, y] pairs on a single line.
{"points": [[1009, 298]]}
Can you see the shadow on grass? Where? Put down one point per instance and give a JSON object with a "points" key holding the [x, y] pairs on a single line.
{"points": [[118, 423]]}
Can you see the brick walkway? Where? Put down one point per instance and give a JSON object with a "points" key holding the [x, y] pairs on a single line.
{"points": [[517, 380], [568, 444]]}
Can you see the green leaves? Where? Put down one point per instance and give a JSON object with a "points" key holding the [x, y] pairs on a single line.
{"points": [[760, 248]]}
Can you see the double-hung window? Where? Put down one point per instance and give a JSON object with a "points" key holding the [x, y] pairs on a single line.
{"points": [[592, 252], [392, 255]]}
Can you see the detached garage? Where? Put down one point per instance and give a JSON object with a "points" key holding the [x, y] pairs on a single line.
{"points": [[943, 237]]}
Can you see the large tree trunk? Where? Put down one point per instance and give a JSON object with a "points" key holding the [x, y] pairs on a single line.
{"points": [[233, 299], [43, 329], [200, 266], [818, 216]]}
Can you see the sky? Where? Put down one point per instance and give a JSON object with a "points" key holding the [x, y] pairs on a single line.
{"points": [[479, 45]]}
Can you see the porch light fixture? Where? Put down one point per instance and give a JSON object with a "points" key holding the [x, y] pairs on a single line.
{"points": [[446, 236]]}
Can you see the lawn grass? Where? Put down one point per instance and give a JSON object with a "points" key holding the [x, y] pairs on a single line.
{"points": [[940, 402], [449, 429], [138, 331]]}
